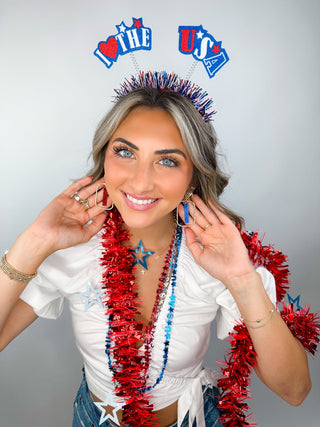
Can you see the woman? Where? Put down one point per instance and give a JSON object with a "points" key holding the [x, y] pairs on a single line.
{"points": [[151, 202]]}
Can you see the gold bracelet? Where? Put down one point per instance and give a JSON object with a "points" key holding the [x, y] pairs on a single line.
{"points": [[14, 274], [257, 323]]}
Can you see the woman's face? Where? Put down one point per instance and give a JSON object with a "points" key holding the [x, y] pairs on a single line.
{"points": [[147, 167]]}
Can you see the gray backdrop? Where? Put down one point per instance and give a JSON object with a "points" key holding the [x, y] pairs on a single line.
{"points": [[53, 91]]}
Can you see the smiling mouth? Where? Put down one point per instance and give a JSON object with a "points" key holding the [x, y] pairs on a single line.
{"points": [[140, 201]]}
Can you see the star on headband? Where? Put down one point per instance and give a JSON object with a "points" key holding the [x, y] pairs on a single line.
{"points": [[169, 82]]}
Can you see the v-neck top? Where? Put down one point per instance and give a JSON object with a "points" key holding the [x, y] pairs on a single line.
{"points": [[75, 274]]}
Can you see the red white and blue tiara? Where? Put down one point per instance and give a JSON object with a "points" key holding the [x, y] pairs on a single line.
{"points": [[170, 82], [194, 41]]}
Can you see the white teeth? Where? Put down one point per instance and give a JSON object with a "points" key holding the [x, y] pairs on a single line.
{"points": [[140, 202]]}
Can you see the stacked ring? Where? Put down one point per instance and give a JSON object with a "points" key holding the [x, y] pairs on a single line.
{"points": [[78, 199]]}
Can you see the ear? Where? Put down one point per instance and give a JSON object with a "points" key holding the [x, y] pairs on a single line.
{"points": [[194, 181]]}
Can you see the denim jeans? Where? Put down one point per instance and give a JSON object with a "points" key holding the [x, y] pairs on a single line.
{"points": [[86, 414]]}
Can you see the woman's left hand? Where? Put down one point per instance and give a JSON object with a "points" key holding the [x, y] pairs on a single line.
{"points": [[221, 252]]}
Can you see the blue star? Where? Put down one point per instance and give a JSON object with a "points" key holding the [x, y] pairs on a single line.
{"points": [[145, 254], [294, 301], [109, 401], [91, 296]]}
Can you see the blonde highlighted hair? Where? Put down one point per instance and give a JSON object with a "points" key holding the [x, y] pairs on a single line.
{"points": [[198, 136]]}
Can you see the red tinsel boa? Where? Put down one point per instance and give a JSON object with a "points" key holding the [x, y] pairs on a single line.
{"points": [[241, 358], [129, 366]]}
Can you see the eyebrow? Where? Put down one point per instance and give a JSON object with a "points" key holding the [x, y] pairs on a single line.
{"points": [[164, 151]]}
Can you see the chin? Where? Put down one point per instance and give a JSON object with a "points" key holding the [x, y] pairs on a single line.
{"points": [[136, 219], [142, 219], [136, 225]]}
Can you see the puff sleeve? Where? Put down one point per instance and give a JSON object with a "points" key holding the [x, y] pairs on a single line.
{"points": [[42, 294], [59, 277], [228, 313]]}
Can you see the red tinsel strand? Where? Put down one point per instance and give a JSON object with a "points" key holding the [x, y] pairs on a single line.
{"points": [[235, 380], [270, 258], [304, 326], [120, 300], [241, 358]]}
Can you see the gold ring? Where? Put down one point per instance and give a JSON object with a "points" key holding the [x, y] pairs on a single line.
{"points": [[78, 199], [206, 226], [84, 202]]}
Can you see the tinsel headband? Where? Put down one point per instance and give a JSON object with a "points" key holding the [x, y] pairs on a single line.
{"points": [[193, 40], [170, 82]]}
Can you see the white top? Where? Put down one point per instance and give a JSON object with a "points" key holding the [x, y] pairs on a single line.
{"points": [[75, 274]]}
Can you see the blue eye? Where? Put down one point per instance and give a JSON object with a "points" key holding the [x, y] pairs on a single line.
{"points": [[169, 162], [123, 152]]}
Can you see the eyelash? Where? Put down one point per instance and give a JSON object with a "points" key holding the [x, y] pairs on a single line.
{"points": [[117, 151], [172, 159]]}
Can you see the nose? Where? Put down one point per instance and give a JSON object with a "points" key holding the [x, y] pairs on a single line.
{"points": [[142, 179]]}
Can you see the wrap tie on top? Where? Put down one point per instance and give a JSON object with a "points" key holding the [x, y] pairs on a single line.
{"points": [[200, 298]]}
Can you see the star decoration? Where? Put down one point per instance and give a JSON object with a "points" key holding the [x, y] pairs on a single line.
{"points": [[143, 255], [122, 27], [109, 401], [91, 296], [295, 301], [216, 48], [137, 23], [200, 34]]}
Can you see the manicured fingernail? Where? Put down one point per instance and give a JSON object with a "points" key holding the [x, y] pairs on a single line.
{"points": [[91, 176]]}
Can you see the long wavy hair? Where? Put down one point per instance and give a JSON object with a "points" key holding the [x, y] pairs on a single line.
{"points": [[199, 138]]}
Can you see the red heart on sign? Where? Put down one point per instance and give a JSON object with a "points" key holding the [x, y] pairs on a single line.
{"points": [[109, 48]]}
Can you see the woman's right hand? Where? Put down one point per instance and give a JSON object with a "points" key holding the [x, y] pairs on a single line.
{"points": [[61, 224]]}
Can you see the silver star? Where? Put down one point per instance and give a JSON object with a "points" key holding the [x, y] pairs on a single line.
{"points": [[109, 401], [91, 296]]}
